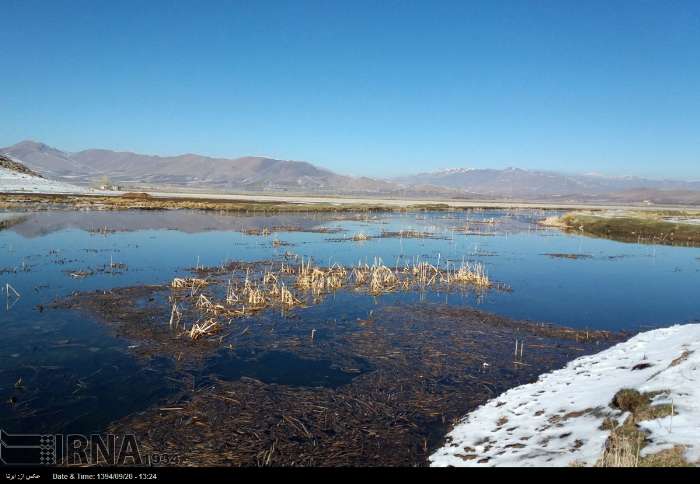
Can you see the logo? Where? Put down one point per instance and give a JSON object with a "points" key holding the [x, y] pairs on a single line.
{"points": [[73, 449], [28, 449]]}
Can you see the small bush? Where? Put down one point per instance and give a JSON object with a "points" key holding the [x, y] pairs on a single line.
{"points": [[630, 400]]}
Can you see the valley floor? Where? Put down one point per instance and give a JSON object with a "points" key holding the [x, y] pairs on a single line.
{"points": [[408, 202], [57, 194]]}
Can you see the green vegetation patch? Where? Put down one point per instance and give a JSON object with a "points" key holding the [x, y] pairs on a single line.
{"points": [[647, 228]]}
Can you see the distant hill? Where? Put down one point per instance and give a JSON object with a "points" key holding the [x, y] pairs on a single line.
{"points": [[533, 184], [190, 170], [254, 173]]}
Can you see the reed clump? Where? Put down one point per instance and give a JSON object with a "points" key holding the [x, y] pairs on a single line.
{"points": [[424, 273], [286, 286], [206, 328], [188, 283], [287, 298], [319, 281], [469, 273]]}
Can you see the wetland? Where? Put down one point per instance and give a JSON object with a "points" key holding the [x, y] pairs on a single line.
{"points": [[305, 337]]}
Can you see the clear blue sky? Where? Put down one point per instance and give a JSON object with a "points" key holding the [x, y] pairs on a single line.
{"points": [[362, 87]]}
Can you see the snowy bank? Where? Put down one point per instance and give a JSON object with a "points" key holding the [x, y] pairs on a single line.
{"points": [[16, 182], [566, 417]]}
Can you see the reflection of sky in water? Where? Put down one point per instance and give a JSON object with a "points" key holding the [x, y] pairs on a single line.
{"points": [[621, 286], [79, 377]]}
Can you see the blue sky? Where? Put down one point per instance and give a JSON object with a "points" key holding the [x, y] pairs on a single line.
{"points": [[362, 87]]}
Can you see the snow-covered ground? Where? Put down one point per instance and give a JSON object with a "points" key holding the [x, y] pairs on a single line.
{"points": [[556, 421], [15, 182]]}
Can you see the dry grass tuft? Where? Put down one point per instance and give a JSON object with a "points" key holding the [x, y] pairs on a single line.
{"points": [[629, 400], [207, 328], [285, 286], [622, 449], [188, 283], [625, 443]]}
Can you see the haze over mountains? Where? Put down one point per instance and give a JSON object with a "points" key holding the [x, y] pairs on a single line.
{"points": [[253, 173], [516, 182]]}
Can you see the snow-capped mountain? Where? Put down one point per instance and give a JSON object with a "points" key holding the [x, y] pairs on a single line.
{"points": [[254, 173]]}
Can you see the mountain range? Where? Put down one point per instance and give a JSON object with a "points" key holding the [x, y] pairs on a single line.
{"points": [[516, 182], [254, 173]]}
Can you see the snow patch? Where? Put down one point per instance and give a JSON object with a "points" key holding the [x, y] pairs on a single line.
{"points": [[556, 421], [452, 171], [15, 182]]}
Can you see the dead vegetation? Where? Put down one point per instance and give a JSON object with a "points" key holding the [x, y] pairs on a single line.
{"points": [[112, 268], [252, 287], [408, 234], [568, 256], [136, 195], [141, 201], [627, 440], [647, 227], [413, 370]]}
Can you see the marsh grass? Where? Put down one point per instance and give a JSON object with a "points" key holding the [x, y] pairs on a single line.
{"points": [[643, 227], [99, 202], [206, 328], [286, 286], [237, 290]]}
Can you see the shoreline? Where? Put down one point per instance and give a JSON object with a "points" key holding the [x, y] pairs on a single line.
{"points": [[633, 404], [677, 228], [239, 202]]}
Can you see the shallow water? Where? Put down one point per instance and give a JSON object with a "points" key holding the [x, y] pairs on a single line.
{"points": [[280, 367], [66, 372]]}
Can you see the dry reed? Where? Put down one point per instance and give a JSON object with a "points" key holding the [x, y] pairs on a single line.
{"points": [[284, 286]]}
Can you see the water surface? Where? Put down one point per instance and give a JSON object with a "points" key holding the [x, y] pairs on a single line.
{"points": [[61, 370]]}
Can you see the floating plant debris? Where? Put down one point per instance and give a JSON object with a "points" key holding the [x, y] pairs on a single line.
{"points": [[362, 354], [569, 256], [381, 394]]}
